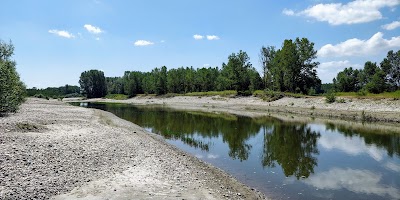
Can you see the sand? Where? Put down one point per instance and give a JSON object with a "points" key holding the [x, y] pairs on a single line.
{"points": [[52, 150]]}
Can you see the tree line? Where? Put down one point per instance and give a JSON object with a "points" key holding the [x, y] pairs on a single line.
{"points": [[55, 92], [289, 69], [372, 78]]}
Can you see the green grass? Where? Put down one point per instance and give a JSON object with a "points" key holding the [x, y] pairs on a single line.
{"points": [[385, 95], [274, 95], [117, 96], [213, 93]]}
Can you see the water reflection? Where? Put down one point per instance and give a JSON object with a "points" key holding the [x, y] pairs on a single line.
{"points": [[293, 147], [358, 181], [351, 145], [300, 160], [388, 140]]}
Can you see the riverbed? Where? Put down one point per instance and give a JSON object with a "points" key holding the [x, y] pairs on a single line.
{"points": [[52, 150]]}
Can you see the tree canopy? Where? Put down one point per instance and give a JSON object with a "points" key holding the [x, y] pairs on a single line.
{"points": [[93, 84], [373, 78], [11, 88], [291, 68]]}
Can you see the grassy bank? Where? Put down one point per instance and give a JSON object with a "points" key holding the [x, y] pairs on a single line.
{"points": [[386, 95]]}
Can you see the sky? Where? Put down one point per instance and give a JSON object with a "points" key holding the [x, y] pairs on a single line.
{"points": [[55, 41]]}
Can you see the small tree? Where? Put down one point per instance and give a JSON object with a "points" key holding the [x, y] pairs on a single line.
{"points": [[11, 88], [93, 84]]}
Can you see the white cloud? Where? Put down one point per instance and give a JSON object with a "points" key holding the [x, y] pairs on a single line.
{"points": [[198, 37], [328, 70], [355, 12], [97, 38], [358, 181], [212, 156], [143, 43], [212, 37], [357, 47], [341, 64], [93, 29], [393, 166], [288, 12], [351, 146], [391, 26], [61, 33]]}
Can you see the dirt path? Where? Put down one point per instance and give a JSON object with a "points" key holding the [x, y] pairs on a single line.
{"points": [[51, 150]]}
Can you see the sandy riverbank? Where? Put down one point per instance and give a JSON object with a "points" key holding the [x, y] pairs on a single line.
{"points": [[53, 150], [383, 110]]}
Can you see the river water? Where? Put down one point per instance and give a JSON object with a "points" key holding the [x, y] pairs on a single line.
{"points": [[284, 160]]}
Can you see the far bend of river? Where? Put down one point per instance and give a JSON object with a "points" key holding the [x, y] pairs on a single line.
{"points": [[284, 160]]}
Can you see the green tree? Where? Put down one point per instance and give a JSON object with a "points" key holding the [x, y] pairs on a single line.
{"points": [[291, 68], [115, 85], [391, 67], [160, 80], [12, 90], [133, 83], [236, 71], [93, 84], [347, 80], [377, 83], [307, 77], [267, 55], [176, 80], [148, 83], [256, 82]]}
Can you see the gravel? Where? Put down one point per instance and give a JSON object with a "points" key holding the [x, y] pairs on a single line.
{"points": [[51, 150]]}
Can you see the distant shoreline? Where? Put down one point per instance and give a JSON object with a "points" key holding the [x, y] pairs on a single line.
{"points": [[352, 109]]}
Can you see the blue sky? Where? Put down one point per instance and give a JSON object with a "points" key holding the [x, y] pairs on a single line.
{"points": [[57, 40]]}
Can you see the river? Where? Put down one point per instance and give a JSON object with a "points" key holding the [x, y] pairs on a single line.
{"points": [[283, 159]]}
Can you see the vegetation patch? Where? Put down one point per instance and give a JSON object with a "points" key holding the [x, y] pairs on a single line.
{"points": [[29, 127], [224, 93], [364, 94], [11, 87], [117, 96], [341, 100], [330, 98], [223, 115]]}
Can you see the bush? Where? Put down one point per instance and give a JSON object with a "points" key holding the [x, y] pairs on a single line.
{"points": [[72, 95], [117, 96], [341, 100], [12, 90], [312, 92], [39, 96], [330, 97], [244, 93], [362, 92]]}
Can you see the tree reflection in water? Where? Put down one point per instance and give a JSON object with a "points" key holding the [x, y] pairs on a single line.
{"points": [[293, 147]]}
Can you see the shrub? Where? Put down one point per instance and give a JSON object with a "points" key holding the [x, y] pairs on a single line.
{"points": [[330, 97], [12, 90], [72, 95], [244, 93], [39, 96], [117, 96], [362, 92], [341, 100], [312, 92]]}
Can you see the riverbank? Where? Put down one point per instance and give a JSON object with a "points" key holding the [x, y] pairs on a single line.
{"points": [[50, 149], [355, 109]]}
